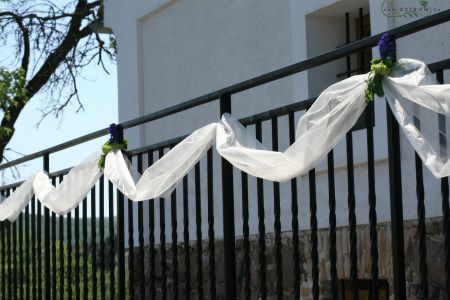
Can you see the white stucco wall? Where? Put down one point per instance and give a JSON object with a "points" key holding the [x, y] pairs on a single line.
{"points": [[173, 51], [196, 47]]}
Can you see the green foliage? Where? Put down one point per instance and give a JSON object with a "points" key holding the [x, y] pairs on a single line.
{"points": [[379, 68], [12, 90], [5, 132], [108, 147]]}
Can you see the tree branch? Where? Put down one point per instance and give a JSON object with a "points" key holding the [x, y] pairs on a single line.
{"points": [[26, 45], [48, 30]]}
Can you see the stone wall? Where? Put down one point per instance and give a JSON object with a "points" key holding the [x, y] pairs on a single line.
{"points": [[435, 250]]}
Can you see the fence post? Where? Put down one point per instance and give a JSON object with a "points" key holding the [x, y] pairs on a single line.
{"points": [[228, 215], [121, 233], [47, 283], [395, 188]]}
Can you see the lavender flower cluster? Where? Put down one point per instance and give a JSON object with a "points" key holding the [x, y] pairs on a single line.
{"points": [[387, 47], [380, 67], [112, 132], [115, 142]]}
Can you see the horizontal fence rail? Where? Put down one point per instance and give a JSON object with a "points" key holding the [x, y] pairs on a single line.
{"points": [[343, 51], [168, 248]]}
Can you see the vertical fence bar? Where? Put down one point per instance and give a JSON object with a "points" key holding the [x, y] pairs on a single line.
{"points": [[395, 189], [212, 249], [173, 209], [61, 254], [101, 225], [374, 293], [352, 218], [69, 256], [420, 193], [314, 240], [32, 250], [53, 247], [112, 252], [3, 260], [277, 223], [294, 210], [361, 36], [38, 250], [162, 239], [53, 255], [27, 251], [121, 245], [77, 253], [444, 191], [121, 234], [371, 175], [198, 221], [141, 237], [85, 251], [14, 259], [130, 248], [246, 232], [261, 226], [332, 222], [9, 255], [351, 190], [173, 216], [187, 262], [446, 229], [47, 282], [18, 229], [93, 244], [3, 266], [151, 238], [228, 215], [20, 250]]}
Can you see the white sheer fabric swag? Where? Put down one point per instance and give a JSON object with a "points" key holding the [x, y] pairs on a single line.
{"points": [[411, 91]]}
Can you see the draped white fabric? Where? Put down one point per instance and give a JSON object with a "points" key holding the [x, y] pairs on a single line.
{"points": [[410, 90], [416, 99], [163, 175], [334, 113], [62, 199]]}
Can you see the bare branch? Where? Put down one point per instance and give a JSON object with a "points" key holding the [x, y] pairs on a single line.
{"points": [[52, 44]]}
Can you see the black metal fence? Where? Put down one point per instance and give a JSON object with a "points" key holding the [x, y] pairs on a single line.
{"points": [[76, 257]]}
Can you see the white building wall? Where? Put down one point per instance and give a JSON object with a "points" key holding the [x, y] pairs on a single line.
{"points": [[173, 51]]}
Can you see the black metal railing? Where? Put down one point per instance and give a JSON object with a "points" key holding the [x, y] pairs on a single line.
{"points": [[43, 256]]}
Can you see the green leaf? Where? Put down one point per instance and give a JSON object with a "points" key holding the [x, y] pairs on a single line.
{"points": [[109, 146], [380, 68], [12, 89], [376, 60], [378, 86], [101, 162], [5, 132]]}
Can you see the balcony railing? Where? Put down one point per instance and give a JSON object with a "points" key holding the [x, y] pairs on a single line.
{"points": [[47, 256]]}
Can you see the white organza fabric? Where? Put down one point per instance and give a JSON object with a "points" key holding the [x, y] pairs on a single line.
{"points": [[416, 100], [62, 199], [162, 177], [411, 91], [334, 113]]}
